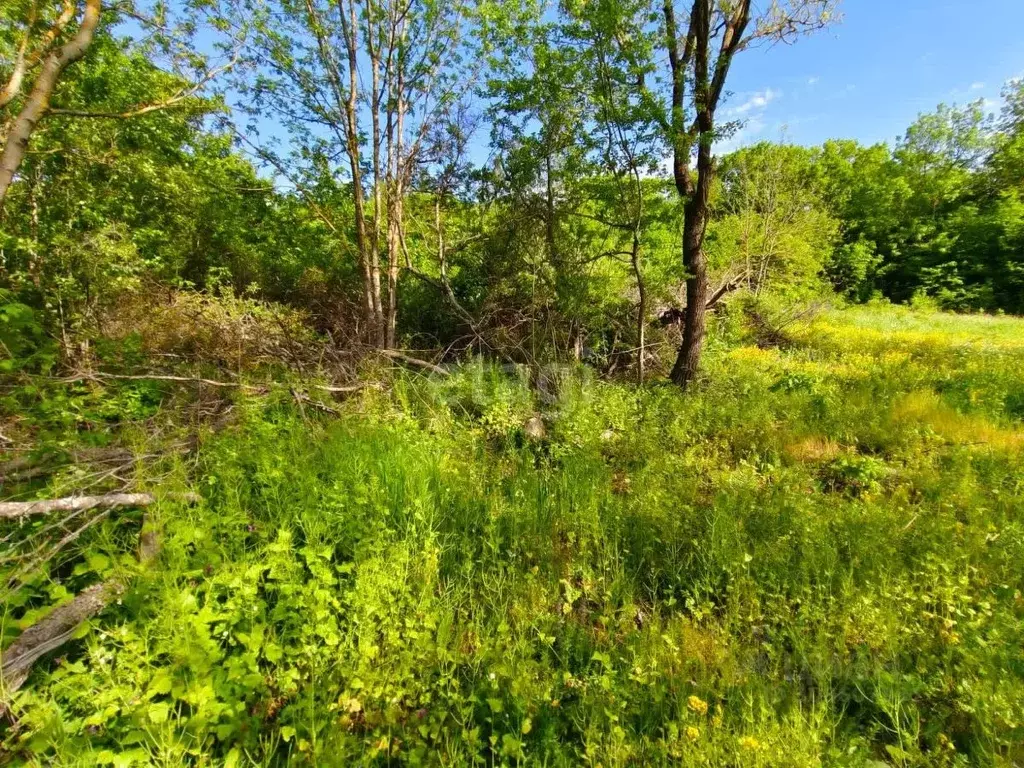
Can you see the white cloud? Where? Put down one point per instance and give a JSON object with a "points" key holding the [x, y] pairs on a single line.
{"points": [[756, 101], [812, 80], [747, 120], [976, 86], [746, 134]]}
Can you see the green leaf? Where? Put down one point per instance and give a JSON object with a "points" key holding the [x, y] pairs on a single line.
{"points": [[160, 684], [158, 712]]}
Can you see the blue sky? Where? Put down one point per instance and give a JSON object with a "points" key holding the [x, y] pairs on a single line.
{"points": [[869, 76]]}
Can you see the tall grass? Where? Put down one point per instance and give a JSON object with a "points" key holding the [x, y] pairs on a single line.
{"points": [[813, 559]]}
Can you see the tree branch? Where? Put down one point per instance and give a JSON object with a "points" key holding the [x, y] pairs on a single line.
{"points": [[38, 101], [16, 510], [211, 382], [172, 101], [394, 354]]}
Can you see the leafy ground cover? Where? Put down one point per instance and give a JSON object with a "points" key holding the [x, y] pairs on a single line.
{"points": [[813, 558]]}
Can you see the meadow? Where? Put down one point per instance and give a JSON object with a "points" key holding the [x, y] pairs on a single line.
{"points": [[812, 558]]}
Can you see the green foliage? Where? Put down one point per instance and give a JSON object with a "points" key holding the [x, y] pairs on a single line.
{"points": [[773, 228], [23, 340], [811, 560], [939, 215]]}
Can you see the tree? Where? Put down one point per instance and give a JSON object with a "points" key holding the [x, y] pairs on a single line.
{"points": [[617, 55], [700, 53], [772, 230], [46, 39], [103, 208], [580, 146], [40, 44], [310, 62]]}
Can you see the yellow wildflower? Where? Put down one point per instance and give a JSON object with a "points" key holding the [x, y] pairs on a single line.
{"points": [[697, 704], [692, 732]]}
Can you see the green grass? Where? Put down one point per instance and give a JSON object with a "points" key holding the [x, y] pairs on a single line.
{"points": [[814, 558]]}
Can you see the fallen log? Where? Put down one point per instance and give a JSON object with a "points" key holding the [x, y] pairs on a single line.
{"points": [[52, 631], [14, 510], [23, 468], [60, 624], [99, 375], [394, 354]]}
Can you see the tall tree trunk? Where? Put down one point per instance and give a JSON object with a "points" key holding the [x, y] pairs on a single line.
{"points": [[38, 101], [694, 226], [379, 182], [708, 86], [695, 210], [395, 236], [359, 210], [396, 201], [549, 202], [364, 244], [641, 310], [34, 267]]}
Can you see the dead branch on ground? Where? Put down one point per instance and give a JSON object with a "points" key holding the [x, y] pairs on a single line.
{"points": [[16, 510], [394, 354]]}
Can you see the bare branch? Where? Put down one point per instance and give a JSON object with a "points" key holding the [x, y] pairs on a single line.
{"points": [[16, 510], [394, 354], [95, 376]]}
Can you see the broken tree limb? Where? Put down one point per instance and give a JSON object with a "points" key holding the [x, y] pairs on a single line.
{"points": [[726, 287], [60, 624], [343, 388], [14, 510], [98, 375], [162, 377], [52, 631], [414, 361], [676, 316], [301, 398], [27, 467]]}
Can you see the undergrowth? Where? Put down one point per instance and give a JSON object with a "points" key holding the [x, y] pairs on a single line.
{"points": [[813, 558]]}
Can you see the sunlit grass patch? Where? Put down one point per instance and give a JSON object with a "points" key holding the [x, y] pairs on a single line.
{"points": [[884, 329], [926, 411], [814, 449]]}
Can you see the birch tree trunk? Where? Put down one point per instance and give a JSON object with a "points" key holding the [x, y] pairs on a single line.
{"points": [[38, 101]]}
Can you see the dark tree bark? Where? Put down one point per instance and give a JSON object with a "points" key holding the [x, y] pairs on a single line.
{"points": [[708, 85]]}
